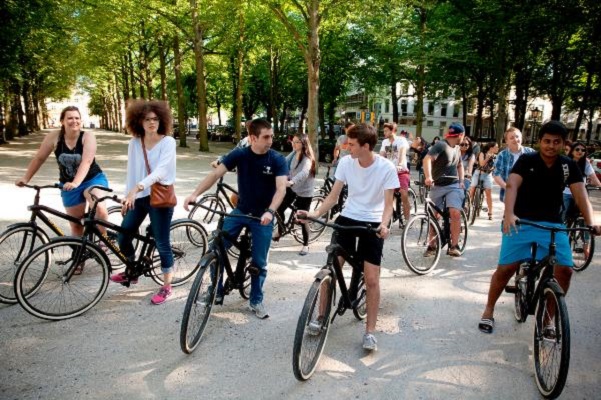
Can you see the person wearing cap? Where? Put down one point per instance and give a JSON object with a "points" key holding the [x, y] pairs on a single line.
{"points": [[534, 192], [443, 171]]}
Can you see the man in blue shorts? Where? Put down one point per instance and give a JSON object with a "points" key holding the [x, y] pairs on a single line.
{"points": [[444, 169], [262, 178], [534, 192]]}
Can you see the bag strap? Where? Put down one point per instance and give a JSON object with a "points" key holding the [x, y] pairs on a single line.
{"points": [[145, 156]]}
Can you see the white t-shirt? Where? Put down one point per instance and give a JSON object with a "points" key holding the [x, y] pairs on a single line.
{"points": [[391, 151], [588, 171], [366, 186], [162, 165]]}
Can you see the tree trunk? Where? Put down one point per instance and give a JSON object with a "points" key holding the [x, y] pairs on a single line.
{"points": [[125, 79], [240, 59], [395, 99], [583, 105], [502, 116], [421, 73], [322, 119], [131, 75], [181, 111], [29, 118], [201, 89], [162, 67], [464, 106], [313, 61], [480, 99], [273, 86], [37, 115]]}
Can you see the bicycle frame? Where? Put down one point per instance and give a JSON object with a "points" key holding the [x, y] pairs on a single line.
{"points": [[219, 248], [348, 295], [431, 211], [221, 190]]}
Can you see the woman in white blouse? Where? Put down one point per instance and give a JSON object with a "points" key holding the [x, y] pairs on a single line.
{"points": [[150, 123]]}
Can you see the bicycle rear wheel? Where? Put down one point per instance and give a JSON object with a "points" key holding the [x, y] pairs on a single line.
{"points": [[206, 217], [15, 245], [476, 205], [420, 251], [583, 246], [315, 229], [188, 243], [50, 290], [551, 341], [199, 303], [467, 205], [313, 326]]}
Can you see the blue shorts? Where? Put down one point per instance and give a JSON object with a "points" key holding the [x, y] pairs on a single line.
{"points": [[516, 247], [486, 179], [453, 193], [72, 198]]}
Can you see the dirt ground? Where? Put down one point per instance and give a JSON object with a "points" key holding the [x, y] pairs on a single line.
{"points": [[429, 344]]}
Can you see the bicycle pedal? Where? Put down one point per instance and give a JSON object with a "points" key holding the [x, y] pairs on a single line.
{"points": [[511, 289], [253, 271]]}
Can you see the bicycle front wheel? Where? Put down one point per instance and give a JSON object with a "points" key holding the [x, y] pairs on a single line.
{"points": [[421, 244], [360, 309], [462, 240], [476, 205], [15, 245], [188, 243], [583, 246], [49, 289], [551, 341], [199, 304], [312, 327]]}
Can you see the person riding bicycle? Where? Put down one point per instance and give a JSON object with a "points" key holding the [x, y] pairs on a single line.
{"points": [[341, 149], [395, 150], [534, 192], [262, 177], [486, 165], [508, 157], [444, 170], [578, 154], [371, 181]]}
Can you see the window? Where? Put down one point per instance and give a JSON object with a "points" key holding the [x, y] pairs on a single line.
{"points": [[405, 88], [429, 123], [404, 107], [443, 109], [403, 121], [443, 124], [456, 109], [387, 106], [430, 108]]}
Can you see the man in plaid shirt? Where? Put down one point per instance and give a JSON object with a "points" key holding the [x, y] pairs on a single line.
{"points": [[507, 158]]}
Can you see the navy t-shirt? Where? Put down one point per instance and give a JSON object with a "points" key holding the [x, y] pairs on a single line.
{"points": [[540, 196], [256, 177]]}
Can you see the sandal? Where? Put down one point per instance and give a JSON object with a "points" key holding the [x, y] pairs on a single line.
{"points": [[79, 269], [487, 325], [490, 217]]}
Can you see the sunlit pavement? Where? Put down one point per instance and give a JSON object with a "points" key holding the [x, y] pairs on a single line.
{"points": [[429, 346]]}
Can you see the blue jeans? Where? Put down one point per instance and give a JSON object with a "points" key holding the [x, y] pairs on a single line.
{"points": [[160, 222], [261, 240]]}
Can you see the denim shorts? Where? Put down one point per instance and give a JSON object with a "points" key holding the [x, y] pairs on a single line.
{"points": [[485, 177], [453, 193], [516, 247], [75, 197]]}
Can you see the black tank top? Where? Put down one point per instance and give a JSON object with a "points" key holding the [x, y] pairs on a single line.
{"points": [[68, 160]]}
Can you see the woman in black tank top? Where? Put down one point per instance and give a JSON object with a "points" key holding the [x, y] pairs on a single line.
{"points": [[75, 151]]}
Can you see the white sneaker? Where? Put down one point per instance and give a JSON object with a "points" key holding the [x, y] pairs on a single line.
{"points": [[315, 326], [304, 251], [369, 342], [259, 310]]}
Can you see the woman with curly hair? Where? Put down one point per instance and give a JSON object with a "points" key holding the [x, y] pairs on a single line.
{"points": [[301, 181], [150, 123]]}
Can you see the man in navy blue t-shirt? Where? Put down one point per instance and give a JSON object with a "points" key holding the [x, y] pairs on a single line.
{"points": [[262, 178]]}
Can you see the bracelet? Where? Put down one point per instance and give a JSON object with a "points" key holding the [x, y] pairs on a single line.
{"points": [[269, 210]]}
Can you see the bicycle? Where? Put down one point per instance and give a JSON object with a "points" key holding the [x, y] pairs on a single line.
{"points": [[203, 293], [220, 201], [581, 243], [538, 293], [291, 225], [424, 237], [19, 240], [423, 189], [325, 189], [478, 199], [397, 207], [316, 316], [47, 287]]}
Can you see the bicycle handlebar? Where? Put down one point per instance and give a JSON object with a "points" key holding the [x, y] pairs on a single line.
{"points": [[101, 199], [591, 187], [224, 214], [341, 227], [38, 188], [554, 229]]}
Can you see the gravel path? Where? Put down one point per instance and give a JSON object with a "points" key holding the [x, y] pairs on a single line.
{"points": [[429, 344]]}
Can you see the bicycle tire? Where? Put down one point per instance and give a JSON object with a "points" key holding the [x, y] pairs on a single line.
{"points": [[315, 229], [246, 284], [197, 313], [520, 301], [579, 243], [463, 232], [206, 217], [551, 379], [477, 205], [116, 218], [91, 284], [360, 309], [16, 243], [188, 243], [412, 201], [467, 206], [308, 345], [415, 241]]}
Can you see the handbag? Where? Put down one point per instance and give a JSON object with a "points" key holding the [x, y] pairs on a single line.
{"points": [[161, 196]]}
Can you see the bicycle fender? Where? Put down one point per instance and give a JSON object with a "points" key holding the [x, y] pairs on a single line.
{"points": [[27, 225], [322, 274], [555, 287], [206, 259]]}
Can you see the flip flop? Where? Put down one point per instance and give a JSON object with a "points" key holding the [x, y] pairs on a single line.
{"points": [[487, 325]]}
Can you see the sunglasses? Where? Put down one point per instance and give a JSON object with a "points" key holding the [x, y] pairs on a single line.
{"points": [[464, 145], [580, 150], [296, 141]]}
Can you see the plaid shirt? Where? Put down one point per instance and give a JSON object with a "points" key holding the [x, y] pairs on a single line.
{"points": [[504, 164]]}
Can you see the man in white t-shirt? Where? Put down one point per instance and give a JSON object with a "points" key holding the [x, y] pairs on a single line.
{"points": [[395, 149], [371, 181]]}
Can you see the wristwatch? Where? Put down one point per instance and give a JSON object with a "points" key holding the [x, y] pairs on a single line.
{"points": [[140, 187], [269, 210]]}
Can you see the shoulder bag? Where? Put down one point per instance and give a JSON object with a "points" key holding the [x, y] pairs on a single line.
{"points": [[161, 196]]}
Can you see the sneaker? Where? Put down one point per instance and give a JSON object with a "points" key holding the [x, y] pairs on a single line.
{"points": [[259, 310], [304, 251], [161, 296], [369, 342], [315, 326], [454, 251], [430, 252], [122, 278]]}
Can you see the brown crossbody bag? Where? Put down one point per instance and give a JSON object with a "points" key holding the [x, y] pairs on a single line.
{"points": [[161, 196]]}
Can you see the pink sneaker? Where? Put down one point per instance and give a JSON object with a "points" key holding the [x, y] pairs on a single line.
{"points": [[121, 278], [161, 296]]}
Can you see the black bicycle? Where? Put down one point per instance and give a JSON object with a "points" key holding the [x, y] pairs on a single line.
{"points": [[581, 242], [285, 224], [477, 202], [20, 239], [47, 285], [538, 293], [325, 189], [225, 198], [423, 190], [424, 237], [316, 316], [397, 207], [203, 293]]}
